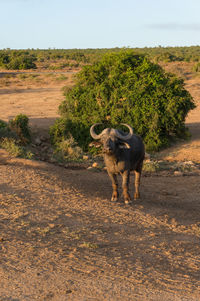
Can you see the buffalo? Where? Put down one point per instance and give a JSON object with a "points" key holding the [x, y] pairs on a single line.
{"points": [[123, 152]]}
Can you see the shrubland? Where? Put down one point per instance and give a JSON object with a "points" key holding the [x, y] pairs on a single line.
{"points": [[62, 58], [115, 85]]}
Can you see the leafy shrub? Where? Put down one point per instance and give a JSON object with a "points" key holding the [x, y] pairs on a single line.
{"points": [[17, 60], [14, 149], [5, 131], [125, 88], [167, 57], [64, 128], [19, 125], [150, 166], [68, 150], [21, 63], [3, 124], [15, 134]]}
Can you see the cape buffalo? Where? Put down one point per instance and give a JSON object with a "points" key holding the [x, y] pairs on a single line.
{"points": [[122, 153]]}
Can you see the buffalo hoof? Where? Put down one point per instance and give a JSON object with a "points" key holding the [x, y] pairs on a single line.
{"points": [[115, 196], [127, 199], [136, 196], [114, 199]]}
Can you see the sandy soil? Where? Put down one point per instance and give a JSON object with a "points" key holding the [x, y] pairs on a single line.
{"points": [[62, 239], [37, 95], [187, 150]]}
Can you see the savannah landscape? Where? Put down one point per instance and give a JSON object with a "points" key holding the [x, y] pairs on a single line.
{"points": [[60, 236]]}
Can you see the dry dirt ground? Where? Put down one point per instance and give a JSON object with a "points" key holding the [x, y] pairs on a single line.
{"points": [[36, 94], [62, 239]]}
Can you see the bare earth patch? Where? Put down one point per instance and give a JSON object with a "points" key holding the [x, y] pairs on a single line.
{"points": [[190, 150], [36, 95], [62, 239]]}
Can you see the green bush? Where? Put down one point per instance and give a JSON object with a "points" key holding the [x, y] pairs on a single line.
{"points": [[5, 131], [68, 150], [3, 124], [15, 149], [14, 135], [125, 88], [17, 60], [64, 128], [12, 147], [22, 63], [19, 125]]}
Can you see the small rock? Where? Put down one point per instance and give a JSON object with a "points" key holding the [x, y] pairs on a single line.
{"points": [[178, 173], [165, 192], [188, 163], [38, 141], [45, 148], [43, 138], [52, 160]]}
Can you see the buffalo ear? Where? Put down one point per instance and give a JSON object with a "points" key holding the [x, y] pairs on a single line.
{"points": [[124, 144]]}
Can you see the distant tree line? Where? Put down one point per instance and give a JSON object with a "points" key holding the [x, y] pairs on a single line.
{"points": [[27, 59]]}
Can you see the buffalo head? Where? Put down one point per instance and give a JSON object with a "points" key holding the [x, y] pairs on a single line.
{"points": [[111, 139]]}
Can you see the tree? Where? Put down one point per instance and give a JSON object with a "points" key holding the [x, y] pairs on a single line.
{"points": [[125, 88]]}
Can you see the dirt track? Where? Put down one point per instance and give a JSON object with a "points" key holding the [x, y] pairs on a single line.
{"points": [[62, 239]]}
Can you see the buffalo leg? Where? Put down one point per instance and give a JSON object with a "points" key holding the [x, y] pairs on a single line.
{"points": [[137, 182], [125, 186], [115, 194]]}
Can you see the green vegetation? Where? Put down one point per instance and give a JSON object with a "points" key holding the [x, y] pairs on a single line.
{"points": [[196, 67], [67, 150], [15, 136], [115, 85], [17, 60], [61, 77], [19, 125], [62, 58], [150, 166], [15, 149], [125, 88]]}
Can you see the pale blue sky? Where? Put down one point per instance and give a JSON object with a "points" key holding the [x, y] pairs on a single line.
{"points": [[98, 23]]}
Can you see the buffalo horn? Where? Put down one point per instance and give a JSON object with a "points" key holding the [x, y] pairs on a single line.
{"points": [[128, 136], [92, 132]]}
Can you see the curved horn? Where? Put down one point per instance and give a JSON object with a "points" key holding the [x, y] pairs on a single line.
{"points": [[128, 136], [92, 132]]}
